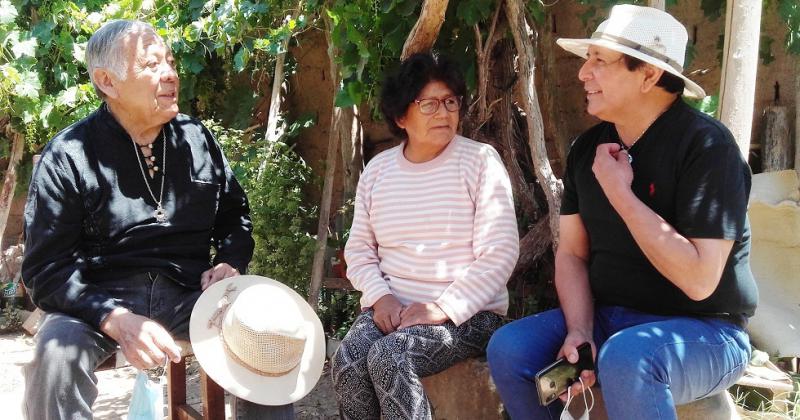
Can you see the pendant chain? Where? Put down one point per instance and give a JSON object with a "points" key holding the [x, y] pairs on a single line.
{"points": [[160, 214], [628, 148]]}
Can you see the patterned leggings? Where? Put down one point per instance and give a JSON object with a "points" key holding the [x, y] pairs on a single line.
{"points": [[378, 375]]}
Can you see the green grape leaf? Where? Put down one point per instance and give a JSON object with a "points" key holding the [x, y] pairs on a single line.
{"points": [[44, 113], [240, 59], [25, 48], [7, 12], [79, 52], [67, 97], [474, 11], [29, 85], [43, 31]]}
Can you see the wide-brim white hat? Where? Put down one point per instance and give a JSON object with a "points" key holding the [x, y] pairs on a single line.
{"points": [[646, 33], [266, 306]]}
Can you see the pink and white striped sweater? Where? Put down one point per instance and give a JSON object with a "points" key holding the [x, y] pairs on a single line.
{"points": [[441, 231]]}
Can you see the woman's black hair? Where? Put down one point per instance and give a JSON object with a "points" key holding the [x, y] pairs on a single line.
{"points": [[402, 86], [670, 82]]}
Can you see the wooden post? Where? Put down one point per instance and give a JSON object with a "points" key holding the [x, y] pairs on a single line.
{"points": [[739, 64], [777, 150], [10, 179], [552, 186], [797, 118], [426, 30], [318, 265]]}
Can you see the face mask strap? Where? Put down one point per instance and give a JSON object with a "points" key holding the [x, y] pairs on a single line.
{"points": [[565, 415]]}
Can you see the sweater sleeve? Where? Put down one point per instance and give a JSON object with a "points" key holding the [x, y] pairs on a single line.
{"points": [[54, 266], [361, 251], [495, 243]]}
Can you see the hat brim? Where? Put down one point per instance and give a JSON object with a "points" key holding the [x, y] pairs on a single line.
{"points": [[580, 47], [237, 379]]}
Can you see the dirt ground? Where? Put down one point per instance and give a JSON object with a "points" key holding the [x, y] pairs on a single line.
{"points": [[115, 387]]}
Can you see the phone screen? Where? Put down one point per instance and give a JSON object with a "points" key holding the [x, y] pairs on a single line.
{"points": [[554, 379]]}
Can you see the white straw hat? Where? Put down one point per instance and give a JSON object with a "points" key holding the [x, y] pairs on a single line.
{"points": [[258, 339], [649, 34]]}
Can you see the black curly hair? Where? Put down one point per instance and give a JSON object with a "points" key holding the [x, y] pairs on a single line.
{"points": [[401, 87]]}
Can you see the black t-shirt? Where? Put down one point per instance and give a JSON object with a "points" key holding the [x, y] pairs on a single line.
{"points": [[688, 169]]}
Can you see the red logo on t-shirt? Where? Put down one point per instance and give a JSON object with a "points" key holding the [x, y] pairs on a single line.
{"points": [[652, 189]]}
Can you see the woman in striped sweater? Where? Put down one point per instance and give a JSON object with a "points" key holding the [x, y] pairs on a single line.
{"points": [[433, 242]]}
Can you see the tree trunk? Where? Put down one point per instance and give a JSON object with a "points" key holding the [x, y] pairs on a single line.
{"points": [[505, 128], [273, 131], [777, 142], [482, 51], [318, 265], [532, 246], [515, 12], [10, 179], [739, 64], [350, 135], [424, 33], [555, 124], [657, 4]]}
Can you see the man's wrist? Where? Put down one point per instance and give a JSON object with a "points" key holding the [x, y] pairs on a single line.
{"points": [[108, 325]]}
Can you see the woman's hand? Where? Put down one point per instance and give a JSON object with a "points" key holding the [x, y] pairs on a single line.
{"points": [[422, 314], [387, 313]]}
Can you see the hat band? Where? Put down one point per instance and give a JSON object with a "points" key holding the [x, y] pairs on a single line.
{"points": [[246, 365], [639, 47]]}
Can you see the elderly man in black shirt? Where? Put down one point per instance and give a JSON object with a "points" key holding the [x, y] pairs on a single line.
{"points": [[652, 268], [123, 210]]}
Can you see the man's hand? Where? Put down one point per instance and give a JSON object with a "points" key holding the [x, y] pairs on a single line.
{"points": [[387, 313], [217, 273], [570, 350], [422, 314], [144, 342], [612, 169]]}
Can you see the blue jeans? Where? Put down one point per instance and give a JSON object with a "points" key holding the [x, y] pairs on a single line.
{"points": [[60, 382], [646, 364]]}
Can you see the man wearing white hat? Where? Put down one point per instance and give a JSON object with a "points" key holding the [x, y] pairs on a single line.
{"points": [[653, 266]]}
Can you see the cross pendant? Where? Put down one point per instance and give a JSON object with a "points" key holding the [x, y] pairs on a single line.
{"points": [[160, 214]]}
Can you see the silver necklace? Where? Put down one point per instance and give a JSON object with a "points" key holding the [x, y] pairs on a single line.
{"points": [[160, 214], [627, 149]]}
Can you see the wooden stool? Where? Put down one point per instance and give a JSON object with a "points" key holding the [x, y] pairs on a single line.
{"points": [[211, 394]]}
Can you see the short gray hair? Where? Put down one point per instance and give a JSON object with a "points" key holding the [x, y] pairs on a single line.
{"points": [[104, 49]]}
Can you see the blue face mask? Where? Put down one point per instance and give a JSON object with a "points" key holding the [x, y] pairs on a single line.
{"points": [[147, 401]]}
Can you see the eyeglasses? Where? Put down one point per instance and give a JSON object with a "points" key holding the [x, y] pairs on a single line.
{"points": [[429, 106]]}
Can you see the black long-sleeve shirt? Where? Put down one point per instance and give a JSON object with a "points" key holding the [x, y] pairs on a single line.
{"points": [[89, 216]]}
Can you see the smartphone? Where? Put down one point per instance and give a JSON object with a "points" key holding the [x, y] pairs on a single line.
{"points": [[554, 379]]}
